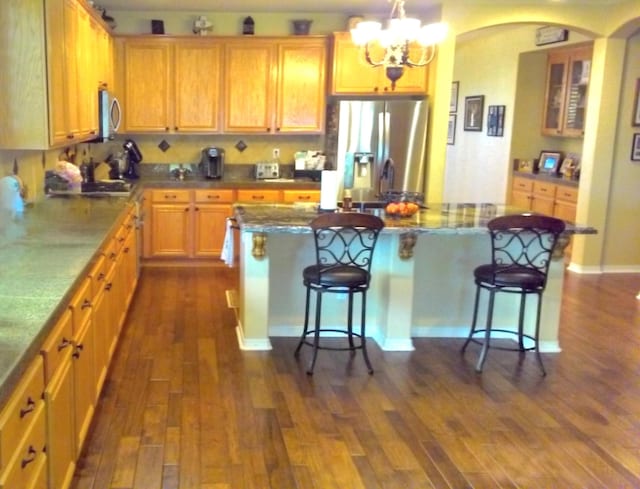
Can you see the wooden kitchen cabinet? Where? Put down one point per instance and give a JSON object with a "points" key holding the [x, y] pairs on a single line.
{"points": [[550, 198], [48, 84], [211, 210], [59, 402], [147, 85], [566, 91], [22, 433], [353, 76], [259, 195], [171, 85], [291, 196], [170, 224], [275, 86]]}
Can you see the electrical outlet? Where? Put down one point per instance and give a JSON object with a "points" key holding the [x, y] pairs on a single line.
{"points": [[276, 153]]}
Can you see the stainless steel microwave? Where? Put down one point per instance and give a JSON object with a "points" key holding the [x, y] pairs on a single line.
{"points": [[110, 114]]}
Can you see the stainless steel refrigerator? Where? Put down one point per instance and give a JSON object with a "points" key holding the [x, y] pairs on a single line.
{"points": [[381, 145]]}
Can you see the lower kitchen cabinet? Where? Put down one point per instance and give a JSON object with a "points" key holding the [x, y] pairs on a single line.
{"points": [[211, 210], [292, 196], [553, 199], [59, 403], [23, 459]]}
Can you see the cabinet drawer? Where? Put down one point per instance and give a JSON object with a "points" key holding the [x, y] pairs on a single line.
{"points": [[25, 470], [544, 188], [19, 412], [258, 195], [289, 196], [568, 194], [170, 195], [522, 184], [81, 305], [97, 275], [214, 196], [57, 346]]}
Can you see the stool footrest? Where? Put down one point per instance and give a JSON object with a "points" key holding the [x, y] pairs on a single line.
{"points": [[334, 348], [507, 331]]}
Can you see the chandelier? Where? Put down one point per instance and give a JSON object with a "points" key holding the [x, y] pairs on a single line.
{"points": [[396, 41]]}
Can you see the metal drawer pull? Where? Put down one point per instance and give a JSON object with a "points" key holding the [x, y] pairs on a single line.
{"points": [[234, 222], [79, 348], [32, 456], [31, 405], [85, 304], [65, 342]]}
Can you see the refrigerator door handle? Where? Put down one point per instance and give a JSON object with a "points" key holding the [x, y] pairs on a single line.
{"points": [[387, 174]]}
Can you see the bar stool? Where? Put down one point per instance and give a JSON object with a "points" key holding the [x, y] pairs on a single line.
{"points": [[344, 244], [521, 247]]}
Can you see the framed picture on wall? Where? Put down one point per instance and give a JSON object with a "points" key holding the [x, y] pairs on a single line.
{"points": [[473, 112], [451, 129], [635, 149], [453, 103], [495, 120], [636, 106]]}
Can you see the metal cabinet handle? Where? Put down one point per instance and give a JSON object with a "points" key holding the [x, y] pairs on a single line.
{"points": [[31, 405], [65, 342], [32, 456], [85, 304]]}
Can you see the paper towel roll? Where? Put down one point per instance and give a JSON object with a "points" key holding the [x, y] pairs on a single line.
{"points": [[329, 190]]}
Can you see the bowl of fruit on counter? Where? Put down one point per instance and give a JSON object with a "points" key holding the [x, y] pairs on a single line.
{"points": [[401, 209]]}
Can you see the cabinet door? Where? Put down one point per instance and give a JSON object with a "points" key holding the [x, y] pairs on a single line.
{"points": [[147, 85], [84, 382], [197, 86], [58, 397], [210, 228], [249, 86], [170, 230], [86, 74], [70, 54], [553, 113], [58, 126], [542, 205], [301, 87], [579, 67]]}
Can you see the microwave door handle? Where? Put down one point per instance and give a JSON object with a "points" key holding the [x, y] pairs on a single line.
{"points": [[115, 109]]}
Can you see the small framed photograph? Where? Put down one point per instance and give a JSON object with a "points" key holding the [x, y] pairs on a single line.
{"points": [[473, 112], [495, 120], [635, 149], [453, 103], [451, 129], [549, 162], [636, 106]]}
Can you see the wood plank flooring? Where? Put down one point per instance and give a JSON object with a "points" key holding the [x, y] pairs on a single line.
{"points": [[184, 408]]}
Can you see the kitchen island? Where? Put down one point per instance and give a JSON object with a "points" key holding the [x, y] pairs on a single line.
{"points": [[422, 275]]}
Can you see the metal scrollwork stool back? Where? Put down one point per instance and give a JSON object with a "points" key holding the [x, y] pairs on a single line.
{"points": [[344, 244], [521, 248]]}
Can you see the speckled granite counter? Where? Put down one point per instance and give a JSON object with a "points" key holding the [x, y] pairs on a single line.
{"points": [[43, 255], [437, 218]]}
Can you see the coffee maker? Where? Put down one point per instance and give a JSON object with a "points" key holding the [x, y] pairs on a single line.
{"points": [[212, 163], [134, 157]]}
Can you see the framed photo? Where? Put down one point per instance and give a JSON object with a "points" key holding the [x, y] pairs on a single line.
{"points": [[549, 162], [473, 112], [451, 129], [636, 106], [635, 149], [453, 103], [568, 167], [495, 120]]}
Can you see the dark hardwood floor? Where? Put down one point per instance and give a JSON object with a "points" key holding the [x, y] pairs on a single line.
{"points": [[184, 408]]}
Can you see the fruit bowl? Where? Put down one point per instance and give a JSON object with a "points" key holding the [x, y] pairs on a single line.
{"points": [[401, 209]]}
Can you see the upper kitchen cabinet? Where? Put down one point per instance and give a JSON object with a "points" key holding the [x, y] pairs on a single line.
{"points": [[171, 85], [49, 89], [566, 91], [353, 76], [275, 85]]}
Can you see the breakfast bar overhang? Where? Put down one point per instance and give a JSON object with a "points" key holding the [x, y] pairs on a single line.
{"points": [[422, 275]]}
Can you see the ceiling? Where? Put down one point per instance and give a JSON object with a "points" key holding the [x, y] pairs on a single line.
{"points": [[329, 6]]}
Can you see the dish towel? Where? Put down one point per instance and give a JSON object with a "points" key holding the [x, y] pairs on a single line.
{"points": [[226, 255]]}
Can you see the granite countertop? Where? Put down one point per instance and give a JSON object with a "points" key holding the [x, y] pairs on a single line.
{"points": [[435, 219], [44, 254]]}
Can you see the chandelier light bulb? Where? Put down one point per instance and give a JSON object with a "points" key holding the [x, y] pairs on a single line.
{"points": [[432, 34]]}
